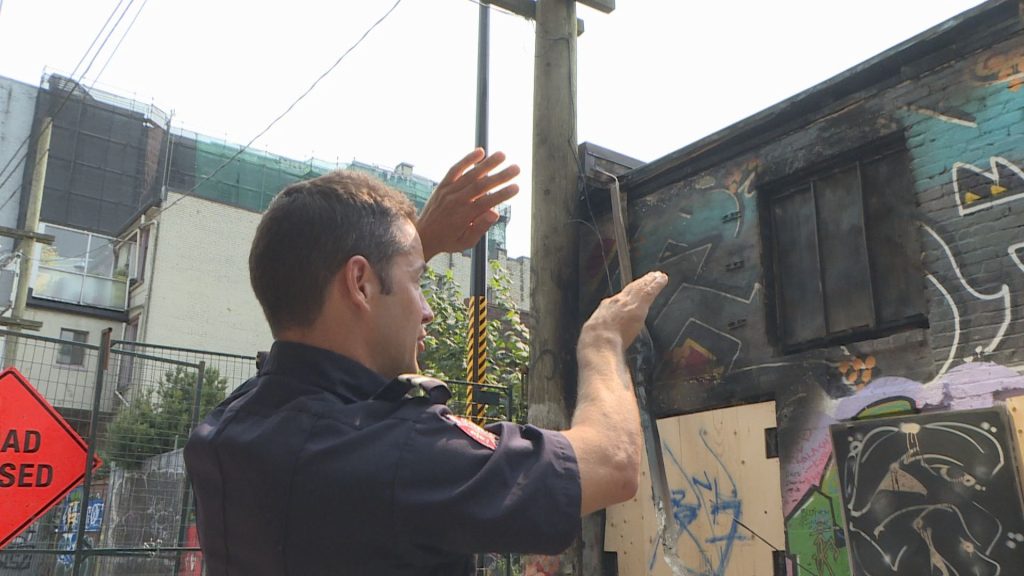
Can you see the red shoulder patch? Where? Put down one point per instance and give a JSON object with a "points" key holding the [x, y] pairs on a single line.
{"points": [[474, 431]]}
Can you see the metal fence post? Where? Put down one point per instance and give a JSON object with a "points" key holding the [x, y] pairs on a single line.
{"points": [[508, 403], [186, 496], [102, 358]]}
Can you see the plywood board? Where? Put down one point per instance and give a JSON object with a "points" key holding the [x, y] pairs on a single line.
{"points": [[724, 490], [1016, 407]]}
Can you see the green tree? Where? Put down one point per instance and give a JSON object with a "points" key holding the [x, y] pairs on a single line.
{"points": [[160, 422], [447, 339]]}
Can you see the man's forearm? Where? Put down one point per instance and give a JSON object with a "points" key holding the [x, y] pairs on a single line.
{"points": [[605, 430], [605, 389]]}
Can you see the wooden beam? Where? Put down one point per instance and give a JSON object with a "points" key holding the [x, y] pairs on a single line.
{"points": [[21, 323], [606, 6], [525, 8], [15, 233]]}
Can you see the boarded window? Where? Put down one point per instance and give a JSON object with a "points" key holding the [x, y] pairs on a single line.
{"points": [[842, 249]]}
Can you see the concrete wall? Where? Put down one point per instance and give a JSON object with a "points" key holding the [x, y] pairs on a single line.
{"points": [[958, 109], [199, 295], [197, 285]]}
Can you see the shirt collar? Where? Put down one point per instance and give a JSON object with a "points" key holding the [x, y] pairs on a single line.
{"points": [[322, 368]]}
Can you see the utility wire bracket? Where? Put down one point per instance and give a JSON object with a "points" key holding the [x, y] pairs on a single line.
{"points": [[528, 8]]}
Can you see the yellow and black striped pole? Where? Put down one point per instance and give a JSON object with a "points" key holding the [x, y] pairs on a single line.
{"points": [[476, 359]]}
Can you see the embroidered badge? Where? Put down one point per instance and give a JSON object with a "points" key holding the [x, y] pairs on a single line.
{"points": [[481, 436]]}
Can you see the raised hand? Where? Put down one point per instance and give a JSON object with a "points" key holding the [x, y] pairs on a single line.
{"points": [[462, 207], [619, 318]]}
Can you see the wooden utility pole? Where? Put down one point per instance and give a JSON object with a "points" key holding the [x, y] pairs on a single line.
{"points": [[554, 245], [553, 242], [27, 245]]}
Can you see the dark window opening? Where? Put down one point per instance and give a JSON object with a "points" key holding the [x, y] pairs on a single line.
{"points": [[70, 354], [843, 246]]}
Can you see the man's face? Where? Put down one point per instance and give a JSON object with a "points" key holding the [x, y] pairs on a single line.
{"points": [[402, 314]]}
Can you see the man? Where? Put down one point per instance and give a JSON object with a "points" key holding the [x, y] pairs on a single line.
{"points": [[330, 463]]}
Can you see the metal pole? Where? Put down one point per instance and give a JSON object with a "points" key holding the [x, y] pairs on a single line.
{"points": [[508, 403], [476, 360], [102, 359], [186, 487]]}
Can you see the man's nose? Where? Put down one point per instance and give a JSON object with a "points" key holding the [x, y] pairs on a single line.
{"points": [[428, 314]]}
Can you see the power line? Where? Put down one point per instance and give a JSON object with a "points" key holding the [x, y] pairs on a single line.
{"points": [[97, 37], [72, 75], [74, 86], [285, 113], [18, 189], [119, 41], [291, 106]]}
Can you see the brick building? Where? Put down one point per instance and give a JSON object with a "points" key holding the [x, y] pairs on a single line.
{"points": [[853, 251]]}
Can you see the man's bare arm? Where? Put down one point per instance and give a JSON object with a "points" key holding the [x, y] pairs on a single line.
{"points": [[605, 430]]}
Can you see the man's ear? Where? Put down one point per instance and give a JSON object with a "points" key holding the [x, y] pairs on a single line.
{"points": [[357, 282]]}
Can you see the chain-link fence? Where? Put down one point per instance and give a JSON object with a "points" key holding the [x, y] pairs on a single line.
{"points": [[486, 403], [135, 404]]}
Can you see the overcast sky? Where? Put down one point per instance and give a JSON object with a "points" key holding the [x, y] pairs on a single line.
{"points": [[653, 76]]}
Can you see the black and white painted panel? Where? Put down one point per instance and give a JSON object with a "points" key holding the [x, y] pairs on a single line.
{"points": [[934, 493]]}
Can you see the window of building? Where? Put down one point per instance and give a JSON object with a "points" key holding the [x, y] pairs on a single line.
{"points": [[69, 353], [143, 252], [842, 247], [83, 268], [126, 366]]}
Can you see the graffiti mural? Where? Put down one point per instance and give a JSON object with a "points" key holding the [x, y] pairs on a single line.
{"points": [[959, 122], [700, 239], [12, 563], [71, 517], [970, 179], [977, 189], [703, 232], [815, 536], [931, 494], [724, 496], [809, 464], [707, 509]]}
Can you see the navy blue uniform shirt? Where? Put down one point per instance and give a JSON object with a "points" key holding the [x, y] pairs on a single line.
{"points": [[301, 473]]}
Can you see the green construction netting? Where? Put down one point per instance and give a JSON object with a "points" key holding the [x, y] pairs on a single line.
{"points": [[252, 179], [416, 188]]}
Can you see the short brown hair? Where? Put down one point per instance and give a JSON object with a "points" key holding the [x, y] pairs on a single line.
{"points": [[311, 229]]}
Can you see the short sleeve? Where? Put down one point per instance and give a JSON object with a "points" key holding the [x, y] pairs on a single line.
{"points": [[455, 492]]}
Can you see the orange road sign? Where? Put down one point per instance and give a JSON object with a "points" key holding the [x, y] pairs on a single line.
{"points": [[41, 457]]}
